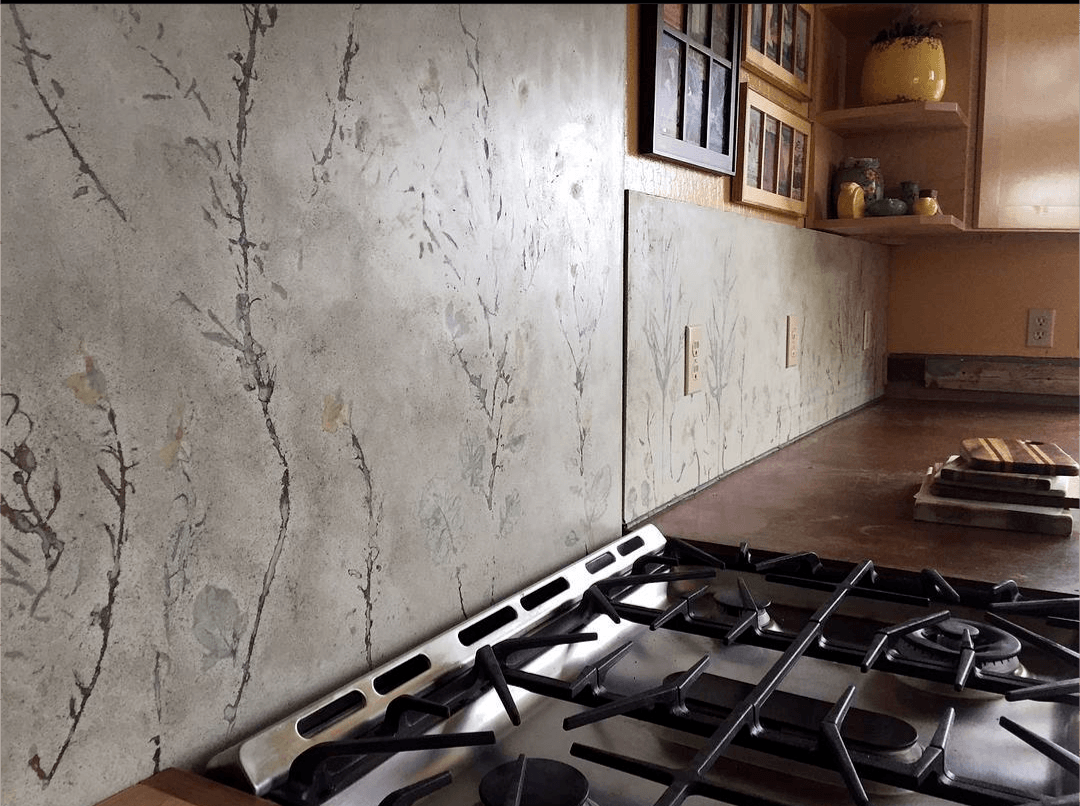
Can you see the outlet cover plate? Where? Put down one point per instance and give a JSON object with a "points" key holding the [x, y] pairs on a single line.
{"points": [[694, 359], [794, 337], [1040, 330]]}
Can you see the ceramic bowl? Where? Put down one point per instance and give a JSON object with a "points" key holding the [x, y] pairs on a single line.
{"points": [[886, 207]]}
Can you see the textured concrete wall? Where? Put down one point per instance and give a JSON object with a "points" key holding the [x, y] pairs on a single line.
{"points": [[311, 346], [739, 278]]}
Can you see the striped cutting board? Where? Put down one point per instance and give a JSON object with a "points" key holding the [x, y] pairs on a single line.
{"points": [[1018, 456]]}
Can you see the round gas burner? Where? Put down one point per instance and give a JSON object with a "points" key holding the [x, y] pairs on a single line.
{"points": [[547, 783], [995, 649]]}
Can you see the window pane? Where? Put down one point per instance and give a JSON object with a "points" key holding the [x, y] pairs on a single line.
{"points": [[798, 166], [773, 18], [675, 16], [695, 98], [753, 152], [787, 49], [802, 42], [669, 86], [757, 27], [719, 108], [723, 23], [699, 22], [783, 173], [768, 161]]}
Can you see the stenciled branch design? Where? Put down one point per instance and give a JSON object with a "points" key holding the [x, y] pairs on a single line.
{"points": [[720, 331], [578, 335], [319, 172], [258, 374], [29, 55], [662, 338], [26, 517], [118, 484], [489, 365], [441, 514], [189, 526], [334, 413]]}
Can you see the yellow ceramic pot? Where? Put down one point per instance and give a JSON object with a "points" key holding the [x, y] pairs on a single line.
{"points": [[851, 203], [911, 68]]}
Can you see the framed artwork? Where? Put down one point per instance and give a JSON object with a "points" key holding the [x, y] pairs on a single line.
{"points": [[775, 156], [690, 56], [776, 44]]}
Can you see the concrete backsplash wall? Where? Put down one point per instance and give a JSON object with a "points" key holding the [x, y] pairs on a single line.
{"points": [[739, 278], [311, 346]]}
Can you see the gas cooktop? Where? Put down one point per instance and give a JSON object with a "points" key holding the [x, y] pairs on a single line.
{"points": [[662, 671]]}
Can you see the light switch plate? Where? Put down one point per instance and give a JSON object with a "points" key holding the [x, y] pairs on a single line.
{"points": [[794, 336], [693, 352]]}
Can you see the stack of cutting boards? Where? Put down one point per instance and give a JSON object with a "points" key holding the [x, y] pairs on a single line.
{"points": [[1015, 484]]}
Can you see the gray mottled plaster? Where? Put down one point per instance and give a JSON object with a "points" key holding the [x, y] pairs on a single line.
{"points": [[739, 278], [311, 346]]}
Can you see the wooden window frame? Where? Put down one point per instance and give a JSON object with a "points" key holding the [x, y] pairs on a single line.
{"points": [[753, 158], [758, 62], [719, 115]]}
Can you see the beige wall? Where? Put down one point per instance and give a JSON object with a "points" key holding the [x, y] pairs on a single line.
{"points": [[970, 295]]}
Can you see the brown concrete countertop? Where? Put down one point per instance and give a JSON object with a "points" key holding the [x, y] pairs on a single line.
{"points": [[846, 491]]}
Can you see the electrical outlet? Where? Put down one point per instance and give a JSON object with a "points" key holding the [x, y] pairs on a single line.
{"points": [[1040, 330], [794, 337], [866, 331], [694, 359]]}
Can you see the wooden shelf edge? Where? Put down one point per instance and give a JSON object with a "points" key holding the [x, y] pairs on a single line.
{"points": [[912, 115], [892, 230]]}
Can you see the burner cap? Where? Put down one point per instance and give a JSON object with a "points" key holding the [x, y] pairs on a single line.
{"points": [[995, 649], [547, 783]]}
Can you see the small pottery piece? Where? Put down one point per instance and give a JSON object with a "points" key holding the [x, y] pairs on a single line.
{"points": [[852, 201], [865, 172], [909, 192], [927, 203], [910, 68], [882, 207]]}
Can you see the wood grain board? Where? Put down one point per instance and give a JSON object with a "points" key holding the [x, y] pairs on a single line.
{"points": [[990, 514], [956, 470], [1066, 496], [1018, 456], [176, 787]]}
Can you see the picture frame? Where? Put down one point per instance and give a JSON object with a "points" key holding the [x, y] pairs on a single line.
{"points": [[776, 44], [774, 164], [690, 62]]}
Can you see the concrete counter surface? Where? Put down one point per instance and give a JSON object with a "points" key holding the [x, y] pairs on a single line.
{"points": [[846, 491]]}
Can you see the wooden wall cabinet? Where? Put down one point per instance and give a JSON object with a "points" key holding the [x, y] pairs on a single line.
{"points": [[933, 144], [1029, 167]]}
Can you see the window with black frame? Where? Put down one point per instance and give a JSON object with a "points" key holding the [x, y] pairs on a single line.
{"points": [[690, 83]]}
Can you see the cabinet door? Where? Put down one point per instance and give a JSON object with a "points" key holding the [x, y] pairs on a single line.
{"points": [[1029, 168]]}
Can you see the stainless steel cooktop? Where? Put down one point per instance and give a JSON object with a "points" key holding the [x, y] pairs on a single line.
{"points": [[656, 671]]}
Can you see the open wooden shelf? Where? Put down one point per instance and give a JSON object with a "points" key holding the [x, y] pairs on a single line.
{"points": [[932, 143], [909, 116], [892, 230]]}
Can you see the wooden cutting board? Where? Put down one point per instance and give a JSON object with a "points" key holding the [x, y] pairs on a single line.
{"points": [[991, 514], [176, 787], [1065, 494], [956, 470], [1018, 456]]}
